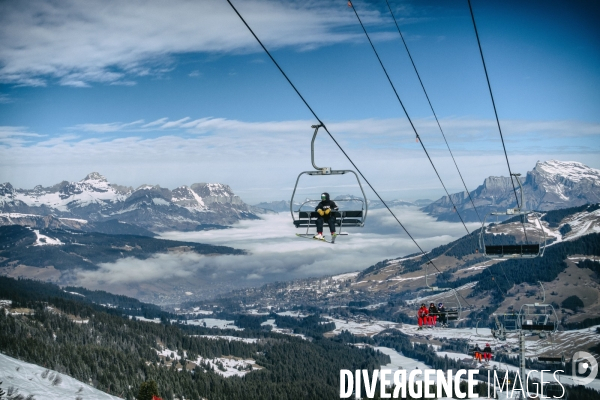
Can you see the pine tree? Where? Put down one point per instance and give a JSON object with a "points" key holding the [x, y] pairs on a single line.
{"points": [[148, 390]]}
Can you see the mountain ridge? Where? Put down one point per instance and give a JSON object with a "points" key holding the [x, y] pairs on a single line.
{"points": [[549, 186], [151, 207]]}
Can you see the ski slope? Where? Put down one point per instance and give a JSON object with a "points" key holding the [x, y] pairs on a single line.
{"points": [[29, 379]]}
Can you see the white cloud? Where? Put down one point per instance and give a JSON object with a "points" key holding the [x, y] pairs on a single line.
{"points": [[78, 43], [109, 127], [261, 160]]}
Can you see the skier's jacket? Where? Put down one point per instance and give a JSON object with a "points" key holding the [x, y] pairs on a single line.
{"points": [[433, 310], [487, 349], [325, 205], [423, 311]]}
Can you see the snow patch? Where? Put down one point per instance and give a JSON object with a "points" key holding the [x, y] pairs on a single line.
{"points": [[28, 379]]}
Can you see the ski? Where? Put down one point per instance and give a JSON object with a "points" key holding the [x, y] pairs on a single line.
{"points": [[318, 240]]}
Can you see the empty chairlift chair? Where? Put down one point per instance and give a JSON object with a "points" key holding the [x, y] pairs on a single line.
{"points": [[500, 251]]}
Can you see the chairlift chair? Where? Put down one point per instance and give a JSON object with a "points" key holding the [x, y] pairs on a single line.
{"points": [[453, 308], [529, 250], [539, 318], [344, 218], [553, 358]]}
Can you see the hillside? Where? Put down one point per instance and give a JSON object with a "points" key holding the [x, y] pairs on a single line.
{"points": [[391, 287], [549, 186], [49, 253], [26, 379], [95, 344]]}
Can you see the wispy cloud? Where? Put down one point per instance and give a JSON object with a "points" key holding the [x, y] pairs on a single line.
{"points": [[76, 44], [108, 127], [261, 160], [15, 136]]}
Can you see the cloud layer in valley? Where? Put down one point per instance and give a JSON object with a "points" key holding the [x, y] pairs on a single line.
{"points": [[276, 254]]}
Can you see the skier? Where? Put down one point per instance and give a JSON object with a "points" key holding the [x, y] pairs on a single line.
{"points": [[487, 352], [325, 210], [422, 315], [442, 314], [433, 314], [477, 352]]}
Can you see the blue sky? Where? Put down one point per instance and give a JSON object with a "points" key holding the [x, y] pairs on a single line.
{"points": [[177, 93]]}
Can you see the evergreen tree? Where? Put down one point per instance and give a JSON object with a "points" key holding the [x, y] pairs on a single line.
{"points": [[147, 391], [572, 303]]}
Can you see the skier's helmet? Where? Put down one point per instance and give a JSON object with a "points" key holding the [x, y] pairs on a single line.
{"points": [[423, 305], [440, 305], [324, 196]]}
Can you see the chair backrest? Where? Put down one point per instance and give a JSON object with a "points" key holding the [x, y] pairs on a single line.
{"points": [[550, 359], [538, 327], [513, 249]]}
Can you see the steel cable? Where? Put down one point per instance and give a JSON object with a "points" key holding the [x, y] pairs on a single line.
{"points": [[335, 141]]}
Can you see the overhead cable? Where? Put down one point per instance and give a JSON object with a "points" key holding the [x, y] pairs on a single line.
{"points": [[496, 113], [409, 119], [334, 140], [432, 110]]}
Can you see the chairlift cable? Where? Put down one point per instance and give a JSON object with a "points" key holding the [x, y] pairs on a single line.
{"points": [[408, 117], [495, 112], [432, 110], [336, 142]]}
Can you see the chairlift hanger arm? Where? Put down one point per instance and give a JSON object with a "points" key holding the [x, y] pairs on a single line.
{"points": [[325, 170]]}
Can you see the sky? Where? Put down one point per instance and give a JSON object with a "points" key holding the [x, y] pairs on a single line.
{"points": [[173, 93]]}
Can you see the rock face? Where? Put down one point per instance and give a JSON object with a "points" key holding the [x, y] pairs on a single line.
{"points": [[549, 186], [94, 199]]}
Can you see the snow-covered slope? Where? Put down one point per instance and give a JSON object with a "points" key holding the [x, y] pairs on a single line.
{"points": [[549, 186], [30, 379]]}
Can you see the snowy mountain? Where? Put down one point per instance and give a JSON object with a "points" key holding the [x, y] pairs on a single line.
{"points": [[549, 186], [151, 207]]}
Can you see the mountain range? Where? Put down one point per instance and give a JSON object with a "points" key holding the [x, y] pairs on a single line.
{"points": [[549, 186], [93, 200]]}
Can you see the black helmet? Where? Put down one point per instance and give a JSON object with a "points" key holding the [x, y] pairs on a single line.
{"points": [[423, 305], [324, 196]]}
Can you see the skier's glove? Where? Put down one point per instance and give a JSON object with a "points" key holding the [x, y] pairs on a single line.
{"points": [[327, 211], [321, 212]]}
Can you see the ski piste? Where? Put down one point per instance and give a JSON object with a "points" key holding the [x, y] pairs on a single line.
{"points": [[332, 241]]}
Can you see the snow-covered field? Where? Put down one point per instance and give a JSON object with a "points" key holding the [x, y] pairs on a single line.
{"points": [[275, 328], [214, 323], [230, 338], [361, 328], [28, 379], [225, 366]]}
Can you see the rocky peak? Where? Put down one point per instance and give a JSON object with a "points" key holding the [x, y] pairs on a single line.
{"points": [[216, 193], [94, 176], [550, 185], [6, 189]]}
